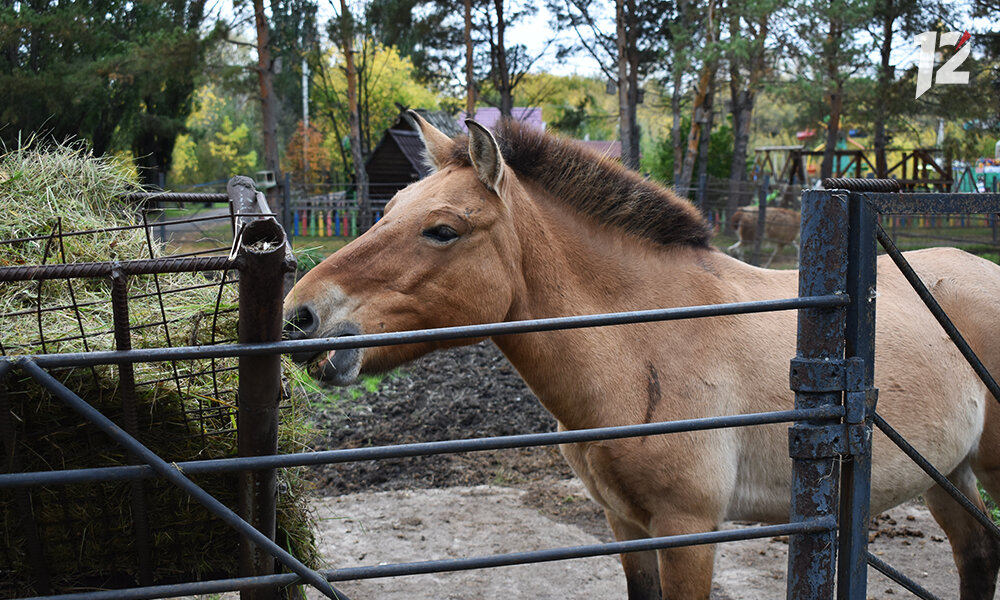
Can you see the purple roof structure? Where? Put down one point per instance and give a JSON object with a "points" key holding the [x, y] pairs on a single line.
{"points": [[488, 117]]}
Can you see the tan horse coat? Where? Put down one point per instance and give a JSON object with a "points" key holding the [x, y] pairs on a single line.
{"points": [[493, 237]]}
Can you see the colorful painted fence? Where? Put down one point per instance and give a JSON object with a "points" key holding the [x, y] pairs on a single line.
{"points": [[328, 215]]}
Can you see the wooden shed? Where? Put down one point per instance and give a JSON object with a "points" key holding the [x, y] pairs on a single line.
{"points": [[397, 160]]}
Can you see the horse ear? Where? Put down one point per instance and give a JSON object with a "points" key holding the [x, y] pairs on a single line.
{"points": [[437, 146], [485, 154]]}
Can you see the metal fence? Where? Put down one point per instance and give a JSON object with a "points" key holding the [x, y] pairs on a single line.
{"points": [[829, 442]]}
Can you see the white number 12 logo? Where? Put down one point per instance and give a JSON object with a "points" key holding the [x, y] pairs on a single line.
{"points": [[947, 73]]}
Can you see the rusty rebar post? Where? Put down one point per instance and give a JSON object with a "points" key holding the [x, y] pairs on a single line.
{"points": [[265, 260], [130, 420]]}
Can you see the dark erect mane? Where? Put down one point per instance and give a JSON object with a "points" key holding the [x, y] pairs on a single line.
{"points": [[595, 186]]}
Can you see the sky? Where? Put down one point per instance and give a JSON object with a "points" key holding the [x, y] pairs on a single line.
{"points": [[533, 33]]}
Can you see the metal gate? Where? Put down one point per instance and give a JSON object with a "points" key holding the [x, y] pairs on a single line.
{"points": [[829, 440]]}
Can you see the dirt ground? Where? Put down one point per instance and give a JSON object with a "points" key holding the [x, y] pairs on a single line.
{"points": [[485, 503]]}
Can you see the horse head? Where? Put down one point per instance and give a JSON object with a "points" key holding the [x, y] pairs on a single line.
{"points": [[444, 254]]}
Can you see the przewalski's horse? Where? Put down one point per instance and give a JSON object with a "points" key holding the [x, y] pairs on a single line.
{"points": [[781, 227], [524, 225]]}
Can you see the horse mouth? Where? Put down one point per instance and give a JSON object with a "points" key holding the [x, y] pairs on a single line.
{"points": [[338, 367]]}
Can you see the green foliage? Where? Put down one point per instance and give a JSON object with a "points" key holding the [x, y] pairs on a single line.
{"points": [[119, 74], [573, 105], [429, 34], [221, 139], [991, 506], [385, 79], [660, 162]]}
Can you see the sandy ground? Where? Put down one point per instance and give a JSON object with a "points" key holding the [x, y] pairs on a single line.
{"points": [[366, 529], [486, 503]]}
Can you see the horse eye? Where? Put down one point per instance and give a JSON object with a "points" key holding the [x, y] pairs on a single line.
{"points": [[440, 233]]}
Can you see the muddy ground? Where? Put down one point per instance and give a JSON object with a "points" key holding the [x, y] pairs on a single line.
{"points": [[493, 502]]}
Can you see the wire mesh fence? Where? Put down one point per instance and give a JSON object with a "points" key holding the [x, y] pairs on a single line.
{"points": [[159, 278]]}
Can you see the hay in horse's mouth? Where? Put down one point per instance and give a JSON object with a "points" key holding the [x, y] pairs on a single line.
{"points": [[339, 367]]}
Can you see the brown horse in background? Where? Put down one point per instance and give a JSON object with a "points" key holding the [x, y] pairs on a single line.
{"points": [[524, 225], [781, 228]]}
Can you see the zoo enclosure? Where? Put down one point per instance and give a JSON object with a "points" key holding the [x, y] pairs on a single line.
{"points": [[833, 415]]}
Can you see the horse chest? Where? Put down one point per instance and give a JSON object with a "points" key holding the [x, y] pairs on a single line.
{"points": [[601, 474]]}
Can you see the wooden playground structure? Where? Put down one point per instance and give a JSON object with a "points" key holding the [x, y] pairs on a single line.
{"points": [[916, 169]]}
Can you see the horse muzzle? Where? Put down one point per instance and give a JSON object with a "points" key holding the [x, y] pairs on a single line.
{"points": [[339, 367]]}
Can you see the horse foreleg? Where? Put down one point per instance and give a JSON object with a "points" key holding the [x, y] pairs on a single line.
{"points": [[685, 573], [736, 249], [641, 571], [976, 552], [777, 248]]}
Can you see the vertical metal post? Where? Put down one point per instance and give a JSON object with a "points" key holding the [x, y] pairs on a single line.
{"points": [[817, 378], [859, 401], [758, 237], [286, 205], [702, 188], [265, 259], [130, 421]]}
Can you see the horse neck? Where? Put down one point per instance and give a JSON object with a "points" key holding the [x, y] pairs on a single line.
{"points": [[573, 266]]}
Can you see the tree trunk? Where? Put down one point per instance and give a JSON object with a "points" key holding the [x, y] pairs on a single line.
{"points": [[360, 175], [836, 100], [698, 111], [470, 80], [694, 134], [738, 96], [743, 97], [633, 86], [881, 165], [268, 110], [675, 126], [626, 94], [678, 49], [706, 132], [832, 133], [503, 73]]}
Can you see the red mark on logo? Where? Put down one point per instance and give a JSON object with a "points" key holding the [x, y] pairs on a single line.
{"points": [[961, 42]]}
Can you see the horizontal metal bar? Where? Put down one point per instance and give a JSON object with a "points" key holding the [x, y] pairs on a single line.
{"points": [[221, 465], [461, 564], [181, 197], [165, 292], [933, 204], [938, 478], [586, 551], [889, 571], [143, 266], [938, 312], [854, 184], [83, 359], [172, 474]]}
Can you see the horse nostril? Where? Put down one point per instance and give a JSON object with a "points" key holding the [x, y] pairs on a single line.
{"points": [[302, 323]]}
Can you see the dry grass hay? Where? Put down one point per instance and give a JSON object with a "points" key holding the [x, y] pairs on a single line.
{"points": [[186, 409]]}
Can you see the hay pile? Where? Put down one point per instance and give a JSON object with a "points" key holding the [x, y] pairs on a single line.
{"points": [[186, 409]]}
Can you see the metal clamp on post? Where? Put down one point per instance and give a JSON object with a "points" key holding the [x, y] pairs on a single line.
{"points": [[853, 436], [817, 441], [813, 375], [859, 406]]}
